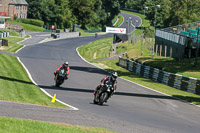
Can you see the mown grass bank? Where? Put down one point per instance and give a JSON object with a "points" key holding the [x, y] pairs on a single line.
{"points": [[111, 65], [13, 125], [27, 27], [12, 44], [15, 84], [96, 51]]}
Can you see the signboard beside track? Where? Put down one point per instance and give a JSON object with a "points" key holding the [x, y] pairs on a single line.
{"points": [[116, 30]]}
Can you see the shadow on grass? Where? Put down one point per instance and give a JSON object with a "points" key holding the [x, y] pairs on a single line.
{"points": [[117, 93], [15, 80], [172, 66], [188, 99]]}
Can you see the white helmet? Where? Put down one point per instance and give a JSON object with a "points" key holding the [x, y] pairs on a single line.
{"points": [[66, 64], [114, 76]]}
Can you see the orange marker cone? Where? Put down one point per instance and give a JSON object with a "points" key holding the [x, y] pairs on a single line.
{"points": [[53, 99]]}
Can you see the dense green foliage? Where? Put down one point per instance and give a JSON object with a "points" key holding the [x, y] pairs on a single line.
{"points": [[95, 14], [170, 13], [64, 13]]}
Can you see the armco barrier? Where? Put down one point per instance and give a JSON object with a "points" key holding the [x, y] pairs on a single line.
{"points": [[177, 81]]}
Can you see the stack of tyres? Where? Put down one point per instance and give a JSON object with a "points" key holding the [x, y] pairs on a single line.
{"points": [[7, 34], [4, 42], [4, 34], [1, 34]]}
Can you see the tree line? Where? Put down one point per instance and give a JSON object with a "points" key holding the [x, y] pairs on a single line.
{"points": [[90, 14], [170, 13], [94, 14]]}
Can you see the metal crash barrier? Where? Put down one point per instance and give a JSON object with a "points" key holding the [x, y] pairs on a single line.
{"points": [[177, 81]]}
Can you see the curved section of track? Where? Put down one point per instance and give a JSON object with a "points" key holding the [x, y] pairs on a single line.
{"points": [[132, 109]]}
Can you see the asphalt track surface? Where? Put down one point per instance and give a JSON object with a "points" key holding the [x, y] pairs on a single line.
{"points": [[132, 109]]}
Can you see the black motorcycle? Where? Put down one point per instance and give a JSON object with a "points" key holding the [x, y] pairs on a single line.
{"points": [[60, 77], [103, 94]]}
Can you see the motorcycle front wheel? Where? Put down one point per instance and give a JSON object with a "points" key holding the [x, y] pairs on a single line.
{"points": [[103, 97]]}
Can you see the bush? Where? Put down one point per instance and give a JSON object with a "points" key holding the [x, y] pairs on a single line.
{"points": [[15, 17], [149, 31], [33, 22]]}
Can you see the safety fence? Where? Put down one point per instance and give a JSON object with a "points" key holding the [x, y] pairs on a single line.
{"points": [[177, 81]]}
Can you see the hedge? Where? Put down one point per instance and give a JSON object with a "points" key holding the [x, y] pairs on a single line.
{"points": [[33, 22]]}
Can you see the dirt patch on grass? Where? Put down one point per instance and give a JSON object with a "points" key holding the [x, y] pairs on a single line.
{"points": [[1, 48], [102, 65], [95, 56]]}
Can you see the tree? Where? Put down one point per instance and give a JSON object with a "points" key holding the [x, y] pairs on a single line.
{"points": [[184, 11], [65, 13], [83, 10], [34, 10], [136, 5], [64, 18], [122, 3], [111, 8]]}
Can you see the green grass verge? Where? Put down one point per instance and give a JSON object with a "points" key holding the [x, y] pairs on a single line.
{"points": [[15, 84], [120, 20], [14, 125], [87, 51], [83, 33], [28, 27], [12, 44], [96, 51]]}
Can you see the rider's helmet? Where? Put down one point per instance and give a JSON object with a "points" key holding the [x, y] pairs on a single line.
{"points": [[114, 76], [66, 64]]}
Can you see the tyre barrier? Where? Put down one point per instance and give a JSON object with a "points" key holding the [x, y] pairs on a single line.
{"points": [[3, 42], [177, 81], [4, 34]]}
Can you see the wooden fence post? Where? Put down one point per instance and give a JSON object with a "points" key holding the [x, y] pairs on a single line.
{"points": [[153, 49], [160, 50], [165, 51], [170, 52], [156, 49]]}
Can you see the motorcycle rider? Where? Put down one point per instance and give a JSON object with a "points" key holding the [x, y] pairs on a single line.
{"points": [[64, 66], [112, 78]]}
